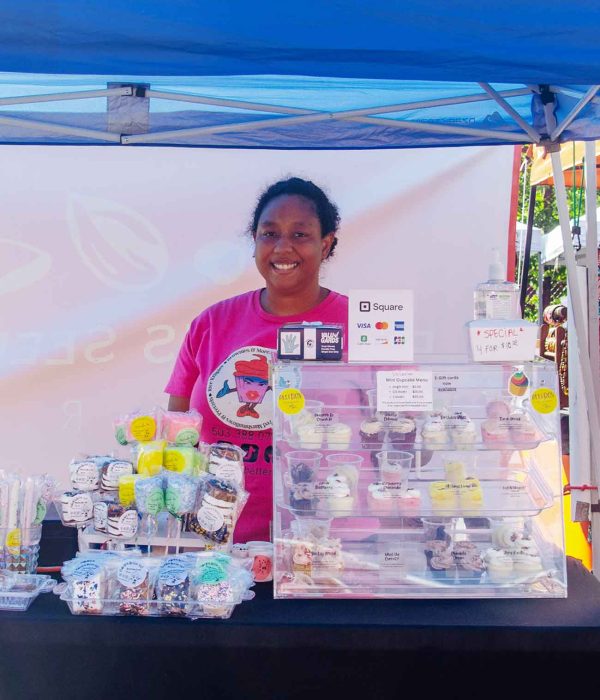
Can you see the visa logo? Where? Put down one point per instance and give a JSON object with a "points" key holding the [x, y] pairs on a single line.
{"points": [[363, 325]]}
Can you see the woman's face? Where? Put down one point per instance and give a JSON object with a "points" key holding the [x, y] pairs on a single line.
{"points": [[289, 248]]}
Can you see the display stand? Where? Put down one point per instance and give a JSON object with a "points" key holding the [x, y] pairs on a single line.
{"points": [[483, 494]]}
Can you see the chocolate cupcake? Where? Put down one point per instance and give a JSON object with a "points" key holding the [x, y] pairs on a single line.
{"points": [[371, 434], [402, 433]]}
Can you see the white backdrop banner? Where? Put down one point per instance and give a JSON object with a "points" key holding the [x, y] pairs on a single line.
{"points": [[106, 255]]}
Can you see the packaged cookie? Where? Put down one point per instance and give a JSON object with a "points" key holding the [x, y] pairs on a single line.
{"points": [[219, 583], [139, 426], [85, 474], [181, 428], [86, 586], [76, 508], [100, 513], [173, 587], [218, 505], [122, 521], [111, 468], [133, 589], [227, 462]]}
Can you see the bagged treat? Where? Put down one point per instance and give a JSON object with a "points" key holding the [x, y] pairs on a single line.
{"points": [[181, 459], [173, 586], [111, 469], [138, 426], [227, 462], [218, 505], [149, 457], [134, 586], [122, 521], [180, 494], [86, 584], [181, 428], [150, 495], [85, 474], [75, 508], [219, 583]]}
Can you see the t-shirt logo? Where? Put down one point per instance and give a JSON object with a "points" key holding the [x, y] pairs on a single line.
{"points": [[237, 388]]}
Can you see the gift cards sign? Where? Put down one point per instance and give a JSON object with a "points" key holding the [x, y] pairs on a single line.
{"points": [[381, 325]]}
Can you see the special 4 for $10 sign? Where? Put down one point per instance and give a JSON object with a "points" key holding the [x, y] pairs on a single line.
{"points": [[381, 325]]}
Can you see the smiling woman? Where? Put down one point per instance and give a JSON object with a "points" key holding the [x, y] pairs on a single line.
{"points": [[223, 365]]}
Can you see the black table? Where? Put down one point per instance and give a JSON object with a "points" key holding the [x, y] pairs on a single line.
{"points": [[296, 649]]}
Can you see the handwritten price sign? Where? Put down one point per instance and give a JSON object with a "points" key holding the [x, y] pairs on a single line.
{"points": [[502, 341]]}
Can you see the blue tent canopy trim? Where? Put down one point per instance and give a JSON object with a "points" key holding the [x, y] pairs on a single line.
{"points": [[320, 75]]}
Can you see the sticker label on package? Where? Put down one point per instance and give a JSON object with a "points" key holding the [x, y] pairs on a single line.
{"points": [[100, 516], [116, 469], [544, 400], [84, 476], [290, 401], [226, 469], [128, 524], [211, 572], [408, 390], [143, 428], [86, 570], [79, 509], [172, 572], [210, 518], [132, 574], [174, 461]]}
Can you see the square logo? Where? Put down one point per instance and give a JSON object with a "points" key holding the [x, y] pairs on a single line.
{"points": [[398, 325], [364, 306]]}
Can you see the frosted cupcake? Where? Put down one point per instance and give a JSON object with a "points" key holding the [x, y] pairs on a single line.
{"points": [[470, 567], [497, 409], [522, 428], [339, 436], [310, 436], [495, 431], [402, 432], [442, 495], [409, 499], [371, 434], [335, 494], [463, 431], [434, 433], [499, 566], [382, 499], [442, 566], [527, 561]]}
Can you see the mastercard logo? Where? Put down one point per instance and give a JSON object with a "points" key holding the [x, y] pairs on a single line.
{"points": [[382, 325]]}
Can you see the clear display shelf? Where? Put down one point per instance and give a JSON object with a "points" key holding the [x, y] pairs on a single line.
{"points": [[18, 591], [366, 457]]}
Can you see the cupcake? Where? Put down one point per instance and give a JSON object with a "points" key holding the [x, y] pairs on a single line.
{"points": [[455, 471], [402, 433], [335, 493], [409, 499], [339, 436], [527, 561], [382, 499], [442, 495], [434, 433], [302, 498], [522, 428], [470, 567], [518, 384], [310, 436], [499, 566], [371, 434], [463, 432], [442, 567], [495, 431], [469, 492], [435, 548]]}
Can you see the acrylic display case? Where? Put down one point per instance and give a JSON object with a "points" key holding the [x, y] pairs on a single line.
{"points": [[438, 479]]}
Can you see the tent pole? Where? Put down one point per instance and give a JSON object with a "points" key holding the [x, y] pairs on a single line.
{"points": [[569, 92], [527, 252], [591, 263], [527, 128], [579, 321], [60, 129], [591, 251], [60, 97], [574, 112]]}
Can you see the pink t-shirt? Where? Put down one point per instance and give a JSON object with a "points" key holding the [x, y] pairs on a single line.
{"points": [[223, 368]]}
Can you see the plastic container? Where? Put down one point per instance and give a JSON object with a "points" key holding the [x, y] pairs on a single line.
{"points": [[496, 299], [18, 591]]}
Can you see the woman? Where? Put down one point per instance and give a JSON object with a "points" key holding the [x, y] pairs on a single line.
{"points": [[222, 369]]}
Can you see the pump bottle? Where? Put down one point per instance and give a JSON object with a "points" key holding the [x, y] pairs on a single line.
{"points": [[497, 299]]}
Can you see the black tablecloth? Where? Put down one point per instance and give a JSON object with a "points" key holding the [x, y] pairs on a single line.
{"points": [[293, 649]]}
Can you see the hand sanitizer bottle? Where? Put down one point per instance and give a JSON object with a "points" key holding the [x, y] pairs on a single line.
{"points": [[497, 299]]}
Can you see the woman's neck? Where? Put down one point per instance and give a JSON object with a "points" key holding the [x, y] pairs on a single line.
{"points": [[279, 305]]}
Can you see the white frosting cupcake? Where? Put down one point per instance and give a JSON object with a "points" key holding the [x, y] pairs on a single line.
{"points": [[434, 433], [339, 436], [310, 437]]}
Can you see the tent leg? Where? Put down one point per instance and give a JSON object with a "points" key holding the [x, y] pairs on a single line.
{"points": [[527, 252], [578, 325]]}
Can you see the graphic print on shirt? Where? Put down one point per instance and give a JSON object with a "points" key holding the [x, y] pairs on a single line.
{"points": [[236, 390]]}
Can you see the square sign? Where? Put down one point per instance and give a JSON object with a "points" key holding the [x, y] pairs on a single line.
{"points": [[381, 325]]}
